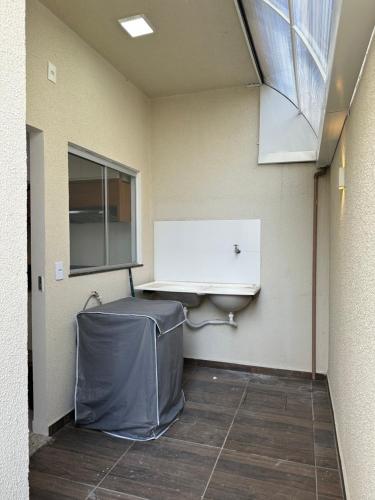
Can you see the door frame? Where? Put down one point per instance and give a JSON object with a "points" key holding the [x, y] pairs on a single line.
{"points": [[38, 299]]}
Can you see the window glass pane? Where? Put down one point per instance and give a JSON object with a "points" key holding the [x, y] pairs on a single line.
{"points": [[86, 213], [119, 218], [272, 40]]}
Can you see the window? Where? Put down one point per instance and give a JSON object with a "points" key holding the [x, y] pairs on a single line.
{"points": [[102, 218]]}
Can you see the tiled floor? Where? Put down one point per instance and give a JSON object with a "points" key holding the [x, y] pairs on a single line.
{"points": [[241, 436]]}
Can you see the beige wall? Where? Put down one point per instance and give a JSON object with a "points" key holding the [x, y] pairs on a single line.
{"points": [[352, 292], [93, 106], [204, 161], [13, 256]]}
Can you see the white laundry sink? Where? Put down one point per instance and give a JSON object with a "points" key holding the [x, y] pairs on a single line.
{"points": [[229, 297]]}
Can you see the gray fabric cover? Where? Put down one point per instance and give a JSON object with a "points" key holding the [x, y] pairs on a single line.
{"points": [[129, 367]]}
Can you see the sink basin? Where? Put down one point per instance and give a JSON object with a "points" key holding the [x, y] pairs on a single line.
{"points": [[229, 297], [230, 303], [187, 299]]}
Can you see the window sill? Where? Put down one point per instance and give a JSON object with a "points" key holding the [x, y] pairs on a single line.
{"points": [[104, 269]]}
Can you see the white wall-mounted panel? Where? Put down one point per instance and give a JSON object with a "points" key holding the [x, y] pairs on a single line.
{"points": [[203, 251]]}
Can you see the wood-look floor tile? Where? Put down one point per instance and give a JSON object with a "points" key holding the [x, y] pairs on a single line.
{"points": [[103, 494], [322, 407], [283, 384], [165, 469], [200, 423], [48, 487], [325, 445], [89, 442], [275, 436], [320, 387], [240, 476], [214, 392], [70, 465], [268, 455], [207, 373], [278, 402], [264, 400], [189, 371], [329, 484]]}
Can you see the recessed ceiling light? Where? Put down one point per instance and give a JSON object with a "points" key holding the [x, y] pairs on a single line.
{"points": [[136, 26]]}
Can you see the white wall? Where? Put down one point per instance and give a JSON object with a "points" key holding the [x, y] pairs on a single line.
{"points": [[93, 106], [204, 161], [13, 255], [352, 292]]}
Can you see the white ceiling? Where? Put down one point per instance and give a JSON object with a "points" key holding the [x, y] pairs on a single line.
{"points": [[198, 44]]}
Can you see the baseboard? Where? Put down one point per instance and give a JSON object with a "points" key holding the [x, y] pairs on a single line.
{"points": [[253, 369], [341, 470], [53, 428]]}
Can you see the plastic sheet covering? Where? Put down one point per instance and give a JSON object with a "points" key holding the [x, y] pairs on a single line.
{"points": [[129, 367], [275, 30]]}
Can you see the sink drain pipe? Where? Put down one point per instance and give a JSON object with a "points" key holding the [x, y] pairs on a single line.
{"points": [[230, 321], [318, 173]]}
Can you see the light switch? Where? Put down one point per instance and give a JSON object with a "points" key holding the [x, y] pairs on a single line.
{"points": [[59, 271], [51, 72]]}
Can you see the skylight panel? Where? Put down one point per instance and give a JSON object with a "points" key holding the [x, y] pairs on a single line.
{"points": [[311, 85], [271, 36], [293, 48], [280, 5], [314, 21]]}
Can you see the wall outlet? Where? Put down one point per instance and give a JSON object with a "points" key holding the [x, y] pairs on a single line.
{"points": [[51, 72], [59, 271]]}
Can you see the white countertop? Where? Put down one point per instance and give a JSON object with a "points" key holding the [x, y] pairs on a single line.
{"points": [[200, 288]]}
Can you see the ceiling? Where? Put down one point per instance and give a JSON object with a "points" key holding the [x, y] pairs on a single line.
{"points": [[198, 44]]}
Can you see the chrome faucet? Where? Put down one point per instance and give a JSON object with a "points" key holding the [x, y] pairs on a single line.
{"points": [[237, 249]]}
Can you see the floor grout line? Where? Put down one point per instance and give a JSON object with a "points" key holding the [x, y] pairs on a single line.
{"points": [[109, 471], [192, 442], [122, 493], [226, 437], [292, 462], [313, 430], [56, 476], [327, 468]]}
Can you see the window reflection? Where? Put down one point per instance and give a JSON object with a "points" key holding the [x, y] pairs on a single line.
{"points": [[86, 213], [119, 217]]}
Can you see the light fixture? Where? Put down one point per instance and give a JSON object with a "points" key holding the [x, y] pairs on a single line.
{"points": [[341, 178], [136, 25]]}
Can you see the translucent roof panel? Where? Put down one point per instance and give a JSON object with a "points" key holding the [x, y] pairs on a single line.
{"points": [[311, 85], [313, 20], [292, 40], [271, 36], [281, 5]]}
